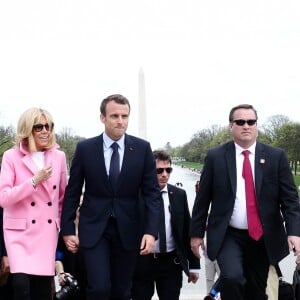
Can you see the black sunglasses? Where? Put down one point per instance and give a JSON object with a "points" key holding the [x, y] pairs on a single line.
{"points": [[40, 127], [160, 170], [241, 122]]}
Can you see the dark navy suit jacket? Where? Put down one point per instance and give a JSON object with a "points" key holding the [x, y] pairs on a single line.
{"points": [[137, 177], [276, 194]]}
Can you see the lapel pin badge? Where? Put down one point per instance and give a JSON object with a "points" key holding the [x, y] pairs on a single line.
{"points": [[262, 161]]}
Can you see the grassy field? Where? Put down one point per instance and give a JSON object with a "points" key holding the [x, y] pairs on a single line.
{"points": [[190, 165], [193, 165]]}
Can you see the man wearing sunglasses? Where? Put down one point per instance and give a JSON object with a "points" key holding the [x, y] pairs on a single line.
{"points": [[254, 218], [171, 253]]}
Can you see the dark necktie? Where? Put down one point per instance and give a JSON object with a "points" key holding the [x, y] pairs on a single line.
{"points": [[114, 168], [254, 223], [162, 228]]}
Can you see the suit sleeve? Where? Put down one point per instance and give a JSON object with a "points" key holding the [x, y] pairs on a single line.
{"points": [[72, 194], [289, 197], [151, 195], [202, 200]]}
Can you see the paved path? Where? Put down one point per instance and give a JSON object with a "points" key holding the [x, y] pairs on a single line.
{"points": [[197, 291]]}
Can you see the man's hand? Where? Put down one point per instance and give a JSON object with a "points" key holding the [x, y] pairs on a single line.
{"points": [[195, 245], [294, 244], [71, 242], [147, 244], [4, 268], [193, 277]]}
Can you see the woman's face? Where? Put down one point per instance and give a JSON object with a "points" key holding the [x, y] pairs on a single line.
{"points": [[41, 132]]}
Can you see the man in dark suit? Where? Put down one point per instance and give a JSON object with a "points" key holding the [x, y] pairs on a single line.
{"points": [[163, 267], [110, 218], [245, 254]]}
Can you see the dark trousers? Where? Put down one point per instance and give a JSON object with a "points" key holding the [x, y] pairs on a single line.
{"points": [[163, 271], [244, 267], [6, 292], [31, 287], [109, 267]]}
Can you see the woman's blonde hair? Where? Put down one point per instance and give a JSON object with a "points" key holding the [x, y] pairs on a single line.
{"points": [[26, 121]]}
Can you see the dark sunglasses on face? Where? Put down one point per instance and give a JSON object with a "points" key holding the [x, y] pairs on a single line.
{"points": [[40, 127], [160, 170], [241, 122]]}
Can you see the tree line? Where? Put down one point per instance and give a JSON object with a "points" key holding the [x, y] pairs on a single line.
{"points": [[278, 131]]}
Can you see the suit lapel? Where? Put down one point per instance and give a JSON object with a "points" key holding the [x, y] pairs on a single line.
{"points": [[99, 158], [129, 156], [172, 205], [231, 164], [259, 165], [29, 163]]}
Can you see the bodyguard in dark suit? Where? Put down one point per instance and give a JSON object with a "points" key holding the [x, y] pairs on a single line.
{"points": [[243, 259], [163, 267], [110, 219]]}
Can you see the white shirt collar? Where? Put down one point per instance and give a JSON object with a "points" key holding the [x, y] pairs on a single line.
{"points": [[239, 149], [108, 141]]}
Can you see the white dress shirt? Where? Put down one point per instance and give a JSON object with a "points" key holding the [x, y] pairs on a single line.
{"points": [[239, 215], [108, 151], [169, 235]]}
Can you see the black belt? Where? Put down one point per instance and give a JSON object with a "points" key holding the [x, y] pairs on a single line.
{"points": [[165, 254], [237, 229]]}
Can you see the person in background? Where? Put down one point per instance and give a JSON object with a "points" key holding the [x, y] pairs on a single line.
{"points": [[32, 184], [272, 284], [163, 268], [239, 235], [116, 169], [5, 278]]}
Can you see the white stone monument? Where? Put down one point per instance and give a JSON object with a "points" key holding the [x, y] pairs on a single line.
{"points": [[142, 118]]}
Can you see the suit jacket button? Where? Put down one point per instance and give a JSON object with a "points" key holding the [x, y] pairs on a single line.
{"points": [[49, 221], [49, 203], [33, 221], [32, 203], [54, 187]]}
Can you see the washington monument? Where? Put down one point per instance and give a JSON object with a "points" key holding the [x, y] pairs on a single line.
{"points": [[142, 123]]}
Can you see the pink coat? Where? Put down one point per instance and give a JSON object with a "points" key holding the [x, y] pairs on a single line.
{"points": [[31, 216]]}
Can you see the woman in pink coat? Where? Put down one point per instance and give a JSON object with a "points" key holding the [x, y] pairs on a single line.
{"points": [[32, 184]]}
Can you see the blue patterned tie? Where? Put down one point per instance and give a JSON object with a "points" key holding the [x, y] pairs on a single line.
{"points": [[114, 168]]}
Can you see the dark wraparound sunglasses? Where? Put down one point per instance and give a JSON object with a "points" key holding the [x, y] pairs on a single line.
{"points": [[40, 127], [241, 122], [160, 170]]}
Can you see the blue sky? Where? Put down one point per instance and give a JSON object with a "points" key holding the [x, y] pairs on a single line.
{"points": [[199, 58]]}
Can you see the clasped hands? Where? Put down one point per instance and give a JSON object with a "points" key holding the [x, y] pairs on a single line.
{"points": [[71, 242]]}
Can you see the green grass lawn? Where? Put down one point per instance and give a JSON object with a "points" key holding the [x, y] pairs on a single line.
{"points": [[188, 164]]}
